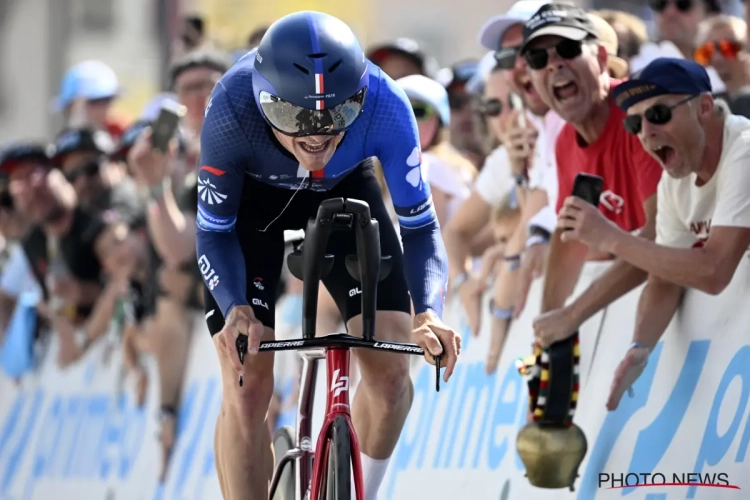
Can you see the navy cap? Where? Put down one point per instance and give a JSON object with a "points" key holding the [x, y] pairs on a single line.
{"points": [[18, 152], [662, 76], [85, 139]]}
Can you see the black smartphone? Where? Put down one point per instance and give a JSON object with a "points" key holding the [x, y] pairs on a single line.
{"points": [[165, 125], [588, 187]]}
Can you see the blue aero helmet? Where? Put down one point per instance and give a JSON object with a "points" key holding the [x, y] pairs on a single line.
{"points": [[310, 75]]}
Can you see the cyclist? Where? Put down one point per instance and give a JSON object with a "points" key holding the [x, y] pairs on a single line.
{"points": [[286, 128]]}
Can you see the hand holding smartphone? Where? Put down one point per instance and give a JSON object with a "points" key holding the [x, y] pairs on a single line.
{"points": [[165, 125], [588, 187]]}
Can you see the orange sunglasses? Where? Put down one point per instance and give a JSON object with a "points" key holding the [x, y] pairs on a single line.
{"points": [[727, 49]]}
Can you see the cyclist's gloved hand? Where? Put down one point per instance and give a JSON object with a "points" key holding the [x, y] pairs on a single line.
{"points": [[241, 321], [429, 332]]}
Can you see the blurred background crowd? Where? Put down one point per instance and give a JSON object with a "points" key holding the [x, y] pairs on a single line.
{"points": [[96, 242]]}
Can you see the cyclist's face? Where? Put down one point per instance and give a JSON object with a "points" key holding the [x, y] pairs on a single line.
{"points": [[314, 151]]}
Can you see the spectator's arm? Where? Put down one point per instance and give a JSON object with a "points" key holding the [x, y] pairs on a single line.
{"points": [[656, 307], [506, 288], [709, 269], [88, 292], [564, 263], [172, 231], [468, 221], [620, 278], [98, 321]]}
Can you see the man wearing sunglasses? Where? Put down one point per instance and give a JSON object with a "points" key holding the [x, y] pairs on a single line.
{"points": [[703, 226], [81, 155], [571, 55], [724, 48], [677, 21], [289, 126], [526, 152]]}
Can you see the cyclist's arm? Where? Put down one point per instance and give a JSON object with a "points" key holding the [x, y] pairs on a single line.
{"points": [[220, 180], [425, 260]]}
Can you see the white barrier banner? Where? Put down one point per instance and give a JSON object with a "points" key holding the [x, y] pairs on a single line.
{"points": [[76, 434]]}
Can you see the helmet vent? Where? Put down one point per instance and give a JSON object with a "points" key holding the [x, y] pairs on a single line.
{"points": [[334, 66], [318, 55], [302, 68]]}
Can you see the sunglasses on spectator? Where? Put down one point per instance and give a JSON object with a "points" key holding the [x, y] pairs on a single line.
{"points": [[682, 5], [726, 48], [506, 58], [658, 114], [566, 49], [89, 169], [491, 107], [422, 111]]}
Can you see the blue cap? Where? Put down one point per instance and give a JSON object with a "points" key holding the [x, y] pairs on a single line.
{"points": [[423, 89], [662, 76], [90, 80]]}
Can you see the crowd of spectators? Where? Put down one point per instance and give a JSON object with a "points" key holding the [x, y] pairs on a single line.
{"points": [[97, 229]]}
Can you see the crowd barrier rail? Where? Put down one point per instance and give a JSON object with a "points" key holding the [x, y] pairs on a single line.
{"points": [[76, 433]]}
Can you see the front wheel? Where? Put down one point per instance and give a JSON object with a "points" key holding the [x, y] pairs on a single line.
{"points": [[338, 476], [283, 441]]}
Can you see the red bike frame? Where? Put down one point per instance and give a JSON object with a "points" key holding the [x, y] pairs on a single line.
{"points": [[337, 405]]}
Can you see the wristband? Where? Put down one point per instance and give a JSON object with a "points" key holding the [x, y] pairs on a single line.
{"points": [[536, 230], [514, 262], [157, 190], [499, 312], [639, 345], [535, 240]]}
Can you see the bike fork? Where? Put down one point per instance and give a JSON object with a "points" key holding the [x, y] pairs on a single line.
{"points": [[303, 451]]}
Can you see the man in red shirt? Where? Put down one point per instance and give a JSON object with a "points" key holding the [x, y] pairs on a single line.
{"points": [[570, 56]]}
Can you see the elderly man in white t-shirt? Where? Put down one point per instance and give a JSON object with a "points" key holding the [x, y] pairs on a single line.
{"points": [[703, 212]]}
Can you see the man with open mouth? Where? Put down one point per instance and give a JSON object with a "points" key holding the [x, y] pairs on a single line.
{"points": [[290, 125], [703, 228], [571, 55]]}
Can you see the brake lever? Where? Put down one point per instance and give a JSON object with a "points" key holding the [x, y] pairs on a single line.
{"points": [[241, 344], [437, 360]]}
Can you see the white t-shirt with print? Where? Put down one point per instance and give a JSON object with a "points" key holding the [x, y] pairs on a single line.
{"points": [[686, 212]]}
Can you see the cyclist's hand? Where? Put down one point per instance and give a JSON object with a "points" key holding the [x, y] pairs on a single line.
{"points": [[532, 267], [471, 292], [626, 374], [241, 320], [429, 332]]}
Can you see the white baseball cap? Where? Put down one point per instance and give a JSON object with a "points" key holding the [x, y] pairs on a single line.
{"points": [[494, 29]]}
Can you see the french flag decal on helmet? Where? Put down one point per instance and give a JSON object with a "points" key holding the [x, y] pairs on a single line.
{"points": [[319, 90]]}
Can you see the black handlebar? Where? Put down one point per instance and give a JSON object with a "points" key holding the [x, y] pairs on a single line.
{"points": [[311, 264]]}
